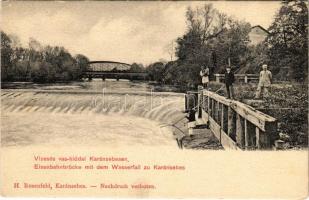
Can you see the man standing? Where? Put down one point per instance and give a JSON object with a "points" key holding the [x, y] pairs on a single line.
{"points": [[204, 73], [229, 80], [264, 83]]}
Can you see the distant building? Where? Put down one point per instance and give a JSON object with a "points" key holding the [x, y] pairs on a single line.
{"points": [[257, 34]]}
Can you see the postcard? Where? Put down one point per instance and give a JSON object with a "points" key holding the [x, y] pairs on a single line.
{"points": [[154, 99]]}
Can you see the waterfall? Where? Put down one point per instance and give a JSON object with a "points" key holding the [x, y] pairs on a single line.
{"points": [[123, 111]]}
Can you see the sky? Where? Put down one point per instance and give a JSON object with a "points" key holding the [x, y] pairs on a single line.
{"points": [[117, 31]]}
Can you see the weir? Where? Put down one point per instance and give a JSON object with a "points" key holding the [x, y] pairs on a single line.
{"points": [[85, 117], [101, 117], [235, 124]]}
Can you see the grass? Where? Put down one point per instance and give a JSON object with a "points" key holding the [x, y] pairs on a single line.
{"points": [[288, 103]]}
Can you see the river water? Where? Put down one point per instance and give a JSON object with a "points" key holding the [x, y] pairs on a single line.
{"points": [[106, 113], [88, 113]]}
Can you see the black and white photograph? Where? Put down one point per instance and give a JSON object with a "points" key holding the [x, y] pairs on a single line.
{"points": [[196, 77]]}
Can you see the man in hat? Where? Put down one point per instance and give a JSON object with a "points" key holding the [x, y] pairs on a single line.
{"points": [[229, 80], [264, 83]]}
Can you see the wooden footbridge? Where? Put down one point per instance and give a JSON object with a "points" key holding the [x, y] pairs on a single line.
{"points": [[235, 124]]}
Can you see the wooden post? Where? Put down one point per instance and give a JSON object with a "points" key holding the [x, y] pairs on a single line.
{"points": [[208, 105], [199, 104], [257, 137], [246, 134], [213, 107], [251, 134], [246, 78], [187, 102], [205, 102], [231, 122], [222, 117], [240, 131], [268, 137], [246, 127], [217, 78], [218, 113]]}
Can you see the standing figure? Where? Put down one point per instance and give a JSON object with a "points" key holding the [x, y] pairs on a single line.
{"points": [[264, 83], [204, 73], [229, 80]]}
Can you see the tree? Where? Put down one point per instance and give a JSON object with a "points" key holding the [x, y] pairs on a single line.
{"points": [[212, 39], [38, 63], [35, 45], [256, 57], [170, 49], [229, 47], [288, 39], [156, 71], [21, 70], [181, 74], [171, 73], [82, 63], [203, 24], [6, 54], [206, 21], [135, 67]]}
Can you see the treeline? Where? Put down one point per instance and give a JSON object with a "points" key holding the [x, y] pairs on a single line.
{"points": [[216, 40], [38, 63], [287, 44], [137, 68], [285, 49], [212, 39]]}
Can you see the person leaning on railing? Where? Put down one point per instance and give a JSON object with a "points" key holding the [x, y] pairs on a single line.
{"points": [[229, 80]]}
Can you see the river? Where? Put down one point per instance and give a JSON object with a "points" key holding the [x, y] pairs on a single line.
{"points": [[107, 113]]}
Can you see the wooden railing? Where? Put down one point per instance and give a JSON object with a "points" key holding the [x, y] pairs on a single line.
{"points": [[239, 77], [235, 124]]}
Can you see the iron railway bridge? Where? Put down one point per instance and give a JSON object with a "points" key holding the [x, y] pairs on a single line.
{"points": [[112, 70]]}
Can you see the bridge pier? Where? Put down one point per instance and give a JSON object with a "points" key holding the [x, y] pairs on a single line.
{"points": [[103, 78]]}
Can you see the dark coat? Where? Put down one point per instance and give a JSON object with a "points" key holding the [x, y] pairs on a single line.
{"points": [[229, 78]]}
